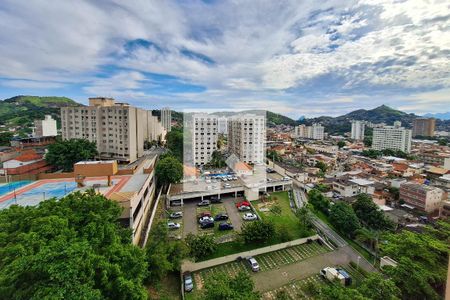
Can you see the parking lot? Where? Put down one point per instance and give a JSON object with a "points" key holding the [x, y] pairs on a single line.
{"points": [[268, 261], [299, 289], [191, 212]]}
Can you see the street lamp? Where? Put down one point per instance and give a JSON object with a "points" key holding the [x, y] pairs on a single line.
{"points": [[357, 265]]}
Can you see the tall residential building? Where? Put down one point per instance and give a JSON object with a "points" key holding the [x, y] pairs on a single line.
{"points": [[46, 127], [392, 137], [246, 137], [424, 127], [204, 138], [422, 197], [358, 130], [118, 129], [166, 118], [315, 132], [222, 125]]}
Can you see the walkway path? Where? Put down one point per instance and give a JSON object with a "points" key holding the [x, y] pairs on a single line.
{"points": [[189, 218], [233, 213]]}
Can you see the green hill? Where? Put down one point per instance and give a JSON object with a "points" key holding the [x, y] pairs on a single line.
{"points": [[23, 110]]}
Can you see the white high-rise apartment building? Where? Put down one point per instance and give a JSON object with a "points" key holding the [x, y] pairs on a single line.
{"points": [[358, 130], [246, 137], [223, 125], [204, 138], [46, 127], [315, 132], [392, 137], [166, 118], [118, 129]]}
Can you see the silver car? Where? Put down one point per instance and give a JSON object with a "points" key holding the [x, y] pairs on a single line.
{"points": [[253, 264]]}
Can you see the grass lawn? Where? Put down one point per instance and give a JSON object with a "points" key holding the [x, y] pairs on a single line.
{"points": [[214, 209], [168, 288], [285, 217]]}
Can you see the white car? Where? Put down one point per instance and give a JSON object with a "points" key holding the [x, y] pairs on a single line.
{"points": [[206, 219], [172, 225], [227, 185], [244, 208], [250, 217]]}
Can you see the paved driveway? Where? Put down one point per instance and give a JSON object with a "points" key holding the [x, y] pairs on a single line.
{"points": [[189, 218], [270, 280], [233, 213]]}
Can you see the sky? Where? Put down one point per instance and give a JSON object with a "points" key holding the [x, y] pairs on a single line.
{"points": [[298, 58]]}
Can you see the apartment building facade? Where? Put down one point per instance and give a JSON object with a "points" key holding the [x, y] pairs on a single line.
{"points": [[166, 118], [357, 130], [204, 138], [424, 127], [424, 198], [247, 137], [46, 127], [392, 137], [118, 129], [314, 132]]}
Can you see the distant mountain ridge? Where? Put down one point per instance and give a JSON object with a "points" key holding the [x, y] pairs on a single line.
{"points": [[442, 116], [23, 110]]}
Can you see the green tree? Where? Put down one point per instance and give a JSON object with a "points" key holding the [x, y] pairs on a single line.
{"points": [[200, 246], [64, 154], [169, 170], [5, 138], [367, 236], [274, 156], [344, 218], [221, 286], [304, 216], [376, 287], [217, 160], [422, 260], [73, 248], [442, 142], [367, 141], [338, 292], [163, 254], [258, 232], [341, 144], [371, 153], [319, 201], [174, 142], [369, 214], [322, 166]]}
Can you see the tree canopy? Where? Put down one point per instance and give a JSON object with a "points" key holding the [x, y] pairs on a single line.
{"points": [[169, 170], [174, 142], [344, 218], [319, 201], [369, 214], [260, 231], [69, 249], [200, 246], [422, 260], [221, 286], [64, 154]]}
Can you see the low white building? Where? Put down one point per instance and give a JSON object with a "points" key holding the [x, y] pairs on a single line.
{"points": [[350, 187]]}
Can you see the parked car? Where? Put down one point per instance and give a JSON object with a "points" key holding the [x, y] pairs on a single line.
{"points": [[225, 226], [204, 225], [205, 219], [204, 214], [188, 282], [250, 217], [244, 208], [215, 200], [173, 225], [253, 264], [221, 217], [176, 215], [227, 185], [246, 203], [204, 203]]}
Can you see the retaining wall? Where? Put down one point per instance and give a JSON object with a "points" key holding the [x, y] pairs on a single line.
{"points": [[192, 267]]}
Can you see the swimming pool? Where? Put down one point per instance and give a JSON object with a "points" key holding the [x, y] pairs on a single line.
{"points": [[11, 186], [40, 193]]}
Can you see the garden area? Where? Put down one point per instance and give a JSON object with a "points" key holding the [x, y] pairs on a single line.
{"points": [[276, 208]]}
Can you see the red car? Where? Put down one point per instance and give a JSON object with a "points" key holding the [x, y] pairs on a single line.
{"points": [[245, 203], [204, 214]]}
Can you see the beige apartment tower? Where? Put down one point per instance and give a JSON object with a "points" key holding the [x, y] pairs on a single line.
{"points": [[424, 127], [118, 129]]}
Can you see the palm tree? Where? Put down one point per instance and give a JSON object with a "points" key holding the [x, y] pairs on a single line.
{"points": [[368, 237]]}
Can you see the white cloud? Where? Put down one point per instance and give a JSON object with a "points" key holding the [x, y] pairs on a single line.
{"points": [[261, 50]]}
